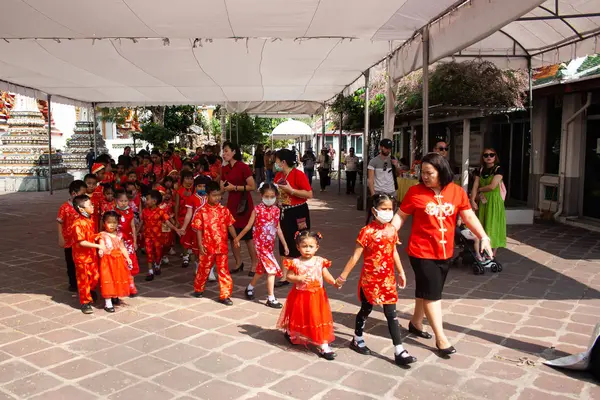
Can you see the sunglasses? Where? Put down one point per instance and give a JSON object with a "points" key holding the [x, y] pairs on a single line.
{"points": [[489, 155], [443, 148]]}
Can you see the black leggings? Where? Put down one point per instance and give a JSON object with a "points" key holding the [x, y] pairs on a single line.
{"points": [[70, 267], [390, 314]]}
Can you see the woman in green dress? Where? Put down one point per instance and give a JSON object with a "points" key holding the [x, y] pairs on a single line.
{"points": [[487, 196]]}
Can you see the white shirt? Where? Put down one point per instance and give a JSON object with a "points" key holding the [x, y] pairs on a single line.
{"points": [[384, 175]]}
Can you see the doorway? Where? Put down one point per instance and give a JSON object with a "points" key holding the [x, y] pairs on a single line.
{"points": [[591, 184]]}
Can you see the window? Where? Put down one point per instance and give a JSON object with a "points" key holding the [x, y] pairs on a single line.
{"points": [[356, 142], [554, 126], [328, 141]]}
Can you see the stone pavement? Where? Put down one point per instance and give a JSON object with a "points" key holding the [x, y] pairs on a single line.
{"points": [[166, 345]]}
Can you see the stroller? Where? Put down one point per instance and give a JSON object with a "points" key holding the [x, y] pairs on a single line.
{"points": [[465, 250]]}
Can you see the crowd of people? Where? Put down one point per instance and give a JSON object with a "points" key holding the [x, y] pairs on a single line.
{"points": [[148, 202]]}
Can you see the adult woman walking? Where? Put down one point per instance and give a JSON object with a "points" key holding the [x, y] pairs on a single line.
{"points": [[434, 204], [308, 162], [486, 197], [269, 163], [237, 180], [259, 165], [324, 161], [294, 190]]}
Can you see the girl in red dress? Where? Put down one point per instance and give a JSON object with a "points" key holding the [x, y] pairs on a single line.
{"points": [[184, 191], [108, 202], [114, 263], [127, 232], [265, 219], [306, 316], [377, 284], [168, 236]]}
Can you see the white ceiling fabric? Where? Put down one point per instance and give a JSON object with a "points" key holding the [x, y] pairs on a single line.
{"points": [[270, 56], [291, 129]]}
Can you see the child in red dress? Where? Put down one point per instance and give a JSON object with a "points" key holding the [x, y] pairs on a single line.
{"points": [[167, 234], [377, 284], [108, 202], [84, 252], [265, 219], [114, 263], [152, 219], [211, 223], [65, 218], [127, 232], [306, 317], [184, 191]]}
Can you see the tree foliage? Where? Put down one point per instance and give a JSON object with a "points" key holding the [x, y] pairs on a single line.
{"points": [[251, 130], [179, 118], [157, 135]]}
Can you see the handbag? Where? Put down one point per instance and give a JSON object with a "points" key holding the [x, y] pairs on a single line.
{"points": [[243, 204]]}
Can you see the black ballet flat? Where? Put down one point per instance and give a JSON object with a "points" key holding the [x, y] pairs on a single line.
{"points": [[447, 351], [251, 274], [94, 296], [116, 301], [87, 308], [198, 294], [249, 294], [404, 358], [417, 332], [329, 356], [288, 338], [238, 269], [149, 277], [109, 309], [72, 289], [226, 302], [274, 304], [133, 295], [364, 350], [281, 284]]}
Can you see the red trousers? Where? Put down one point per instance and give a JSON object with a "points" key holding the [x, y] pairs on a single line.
{"points": [[87, 280], [154, 250], [204, 265]]}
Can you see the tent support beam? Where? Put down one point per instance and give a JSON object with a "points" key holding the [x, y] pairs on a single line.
{"points": [[95, 132], [340, 155], [323, 130], [50, 144], [425, 90], [366, 144], [466, 144], [561, 17]]}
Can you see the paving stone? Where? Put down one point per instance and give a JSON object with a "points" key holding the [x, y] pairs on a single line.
{"points": [[145, 391], [299, 387], [32, 385], [218, 390], [485, 388], [337, 394], [210, 340], [534, 394], [146, 366], [369, 383], [108, 382], [25, 346], [64, 393], [52, 356], [115, 355], [181, 332], [89, 345], [77, 369], [150, 343], [247, 350], [327, 371], [254, 376], [501, 370], [217, 363], [558, 384], [122, 334], [181, 379], [14, 369], [283, 361], [40, 327], [411, 389], [63, 335], [180, 353]]}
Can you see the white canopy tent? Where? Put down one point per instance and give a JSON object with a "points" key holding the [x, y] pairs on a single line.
{"points": [[291, 130]]}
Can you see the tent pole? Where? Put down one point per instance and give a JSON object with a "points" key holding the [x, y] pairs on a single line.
{"points": [[340, 156], [50, 144], [366, 143], [237, 131], [466, 144], [223, 129], [323, 129], [425, 36], [94, 133], [230, 116]]}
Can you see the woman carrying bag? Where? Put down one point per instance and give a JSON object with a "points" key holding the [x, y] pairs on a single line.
{"points": [[237, 180]]}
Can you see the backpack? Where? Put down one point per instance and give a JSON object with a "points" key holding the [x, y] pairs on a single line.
{"points": [[502, 186], [394, 174]]}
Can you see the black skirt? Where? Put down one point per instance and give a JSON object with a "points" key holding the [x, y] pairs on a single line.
{"points": [[294, 219], [430, 277]]}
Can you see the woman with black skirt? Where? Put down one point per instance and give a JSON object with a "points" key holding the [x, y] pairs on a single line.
{"points": [[294, 190], [434, 205]]}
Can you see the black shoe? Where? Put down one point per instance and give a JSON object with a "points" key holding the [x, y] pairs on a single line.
{"points": [[274, 304], [288, 338], [404, 358], [418, 332], [281, 284], [132, 295], [87, 308], [109, 309], [251, 274], [198, 294], [238, 269], [447, 351], [186, 263], [94, 296], [116, 301], [226, 301], [72, 289], [157, 271], [329, 356], [149, 277], [364, 350], [249, 294]]}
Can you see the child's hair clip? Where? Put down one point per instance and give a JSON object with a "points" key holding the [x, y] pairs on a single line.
{"points": [[319, 236], [296, 234]]}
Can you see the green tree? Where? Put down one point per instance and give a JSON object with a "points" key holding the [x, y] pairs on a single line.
{"points": [[157, 135], [179, 118]]}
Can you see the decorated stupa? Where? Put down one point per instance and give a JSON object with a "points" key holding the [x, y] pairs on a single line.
{"points": [[43, 107], [24, 151], [7, 102], [80, 144]]}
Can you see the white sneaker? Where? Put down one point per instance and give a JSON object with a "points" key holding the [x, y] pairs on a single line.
{"points": [[211, 275], [165, 260], [172, 252]]}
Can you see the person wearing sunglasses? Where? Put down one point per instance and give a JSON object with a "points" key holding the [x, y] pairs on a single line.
{"points": [[382, 172], [487, 196], [442, 149]]}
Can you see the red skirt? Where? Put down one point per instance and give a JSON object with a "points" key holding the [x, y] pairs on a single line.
{"points": [[188, 240], [306, 317], [114, 275]]}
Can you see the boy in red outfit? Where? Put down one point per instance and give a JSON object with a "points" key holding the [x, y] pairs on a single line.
{"points": [[211, 223], [193, 203], [85, 253], [65, 218], [152, 219]]}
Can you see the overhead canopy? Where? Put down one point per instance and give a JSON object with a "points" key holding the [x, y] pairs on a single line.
{"points": [[554, 32], [266, 57], [291, 129]]}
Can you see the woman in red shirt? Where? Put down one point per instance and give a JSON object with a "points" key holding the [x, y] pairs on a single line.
{"points": [[294, 191], [435, 204], [236, 178]]}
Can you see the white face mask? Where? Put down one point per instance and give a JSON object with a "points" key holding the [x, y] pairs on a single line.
{"points": [[385, 216], [269, 202]]}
